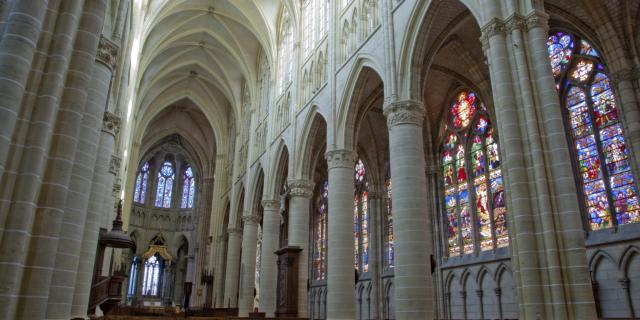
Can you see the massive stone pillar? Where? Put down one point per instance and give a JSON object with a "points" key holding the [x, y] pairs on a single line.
{"points": [[341, 303], [233, 268], [43, 223], [67, 257], [220, 264], [101, 187], [547, 238], [375, 263], [300, 194], [20, 33], [412, 275], [268, 268], [248, 263]]}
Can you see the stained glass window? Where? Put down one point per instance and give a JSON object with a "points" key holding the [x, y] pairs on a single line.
{"points": [[320, 233], [590, 109], [166, 176], [140, 192], [188, 188], [151, 276], [474, 206], [361, 219], [388, 227]]}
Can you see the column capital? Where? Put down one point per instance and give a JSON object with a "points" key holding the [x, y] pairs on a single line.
{"points": [[110, 123], [515, 22], [493, 28], [404, 112], [107, 53], [341, 158], [301, 187], [114, 164], [270, 204], [251, 220], [234, 231], [538, 19]]}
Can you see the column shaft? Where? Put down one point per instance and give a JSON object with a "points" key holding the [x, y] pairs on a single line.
{"points": [[299, 206], [66, 265], [100, 189], [412, 274], [248, 262], [20, 35], [268, 267], [341, 303], [232, 269]]}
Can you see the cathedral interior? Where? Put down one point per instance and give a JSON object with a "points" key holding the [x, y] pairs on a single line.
{"points": [[319, 159]]}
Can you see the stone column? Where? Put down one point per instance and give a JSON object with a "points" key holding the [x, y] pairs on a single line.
{"points": [[300, 194], [233, 268], [66, 263], [412, 276], [341, 303], [248, 262], [20, 36], [268, 268], [219, 273], [622, 82], [100, 189]]}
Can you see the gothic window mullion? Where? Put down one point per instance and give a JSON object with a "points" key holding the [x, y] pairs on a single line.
{"points": [[489, 204], [473, 197]]}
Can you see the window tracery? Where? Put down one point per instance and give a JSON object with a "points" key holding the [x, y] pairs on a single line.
{"points": [[320, 233], [473, 186], [285, 52], [389, 256], [142, 180], [600, 154], [166, 177], [361, 219], [151, 279], [188, 189]]}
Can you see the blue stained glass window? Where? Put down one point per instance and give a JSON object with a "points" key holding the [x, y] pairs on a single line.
{"points": [[166, 176], [320, 233], [389, 257], [609, 192], [188, 189], [361, 219], [140, 192]]}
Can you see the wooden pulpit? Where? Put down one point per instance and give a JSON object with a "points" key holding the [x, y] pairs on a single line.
{"points": [[287, 303]]}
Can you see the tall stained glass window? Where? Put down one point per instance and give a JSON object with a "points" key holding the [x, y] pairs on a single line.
{"points": [[600, 154], [166, 176], [151, 278], [320, 233], [140, 192], [388, 226], [474, 201], [361, 219], [188, 189]]}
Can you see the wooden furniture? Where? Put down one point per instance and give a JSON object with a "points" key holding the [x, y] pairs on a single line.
{"points": [[287, 294]]}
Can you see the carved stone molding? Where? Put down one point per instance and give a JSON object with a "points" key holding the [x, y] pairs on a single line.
{"points": [[493, 28], [251, 220], [273, 205], [234, 231], [516, 22], [111, 123], [404, 112], [341, 158], [114, 164], [117, 187], [107, 53], [538, 19], [301, 188]]}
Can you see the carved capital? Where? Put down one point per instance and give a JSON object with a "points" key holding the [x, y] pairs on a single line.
{"points": [[111, 123], [107, 53], [493, 28], [251, 220], [234, 231], [272, 205], [404, 112], [516, 22], [114, 164], [301, 188], [341, 158], [538, 19]]}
